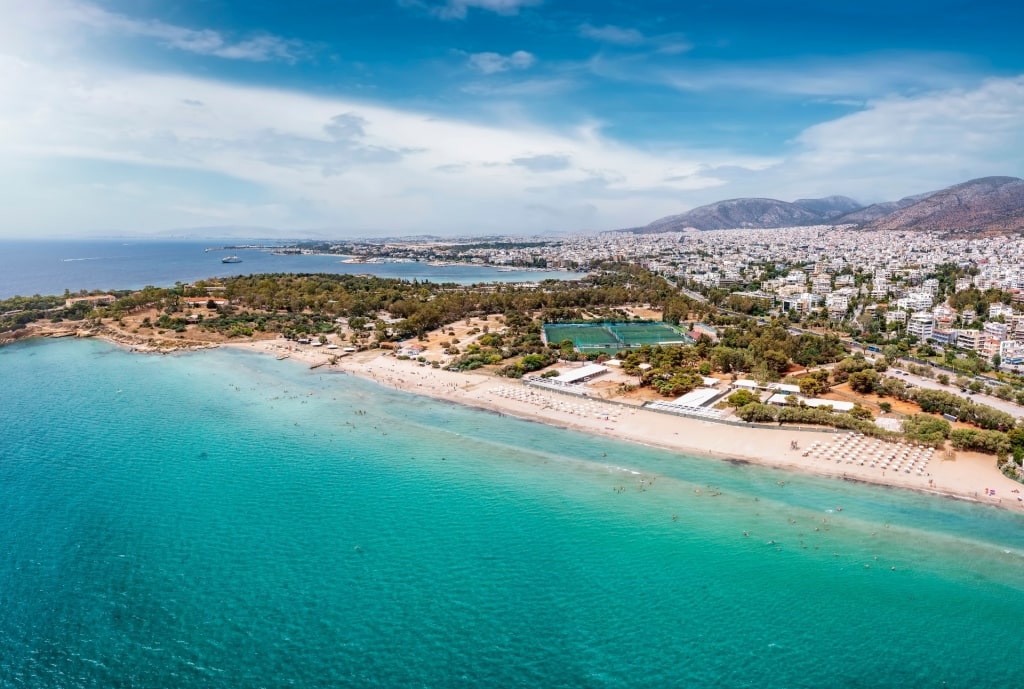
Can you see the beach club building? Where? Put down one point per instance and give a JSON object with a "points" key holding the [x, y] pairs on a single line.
{"points": [[203, 302], [753, 385], [781, 400], [782, 394], [579, 375], [92, 300]]}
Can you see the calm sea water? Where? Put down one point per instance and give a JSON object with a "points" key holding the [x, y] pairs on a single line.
{"points": [[50, 267], [221, 519]]}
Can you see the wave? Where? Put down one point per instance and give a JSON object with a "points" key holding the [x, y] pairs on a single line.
{"points": [[88, 258]]}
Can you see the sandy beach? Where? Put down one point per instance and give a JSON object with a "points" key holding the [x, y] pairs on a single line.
{"points": [[967, 475]]}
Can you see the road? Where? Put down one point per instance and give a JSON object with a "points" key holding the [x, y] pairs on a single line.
{"points": [[930, 384]]}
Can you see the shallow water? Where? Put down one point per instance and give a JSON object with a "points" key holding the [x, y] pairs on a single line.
{"points": [[223, 519]]}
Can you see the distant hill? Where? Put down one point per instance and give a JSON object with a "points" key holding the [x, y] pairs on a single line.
{"points": [[879, 210], [738, 213], [989, 205], [830, 206]]}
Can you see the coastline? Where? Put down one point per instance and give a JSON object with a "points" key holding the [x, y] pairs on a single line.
{"points": [[968, 477]]}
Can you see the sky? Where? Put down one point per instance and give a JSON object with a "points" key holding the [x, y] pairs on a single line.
{"points": [[363, 118]]}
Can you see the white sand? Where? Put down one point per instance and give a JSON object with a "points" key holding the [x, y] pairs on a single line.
{"points": [[968, 476]]}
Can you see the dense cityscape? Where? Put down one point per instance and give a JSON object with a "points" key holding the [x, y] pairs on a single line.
{"points": [[916, 287]]}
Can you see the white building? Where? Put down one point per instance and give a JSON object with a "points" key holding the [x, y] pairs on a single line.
{"points": [[1011, 353], [895, 316], [919, 301], [996, 310], [921, 325], [837, 305]]}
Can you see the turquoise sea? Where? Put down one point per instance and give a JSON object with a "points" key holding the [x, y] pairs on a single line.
{"points": [[223, 519]]}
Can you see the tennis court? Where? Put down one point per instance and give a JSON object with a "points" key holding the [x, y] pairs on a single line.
{"points": [[614, 337], [635, 334], [585, 335]]}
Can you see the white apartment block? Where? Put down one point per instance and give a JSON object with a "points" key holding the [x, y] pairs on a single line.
{"points": [[837, 305], [995, 330], [801, 303], [1011, 353], [996, 310], [919, 301], [895, 316], [921, 325]]}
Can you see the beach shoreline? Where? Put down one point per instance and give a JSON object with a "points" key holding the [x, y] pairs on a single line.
{"points": [[969, 477]]}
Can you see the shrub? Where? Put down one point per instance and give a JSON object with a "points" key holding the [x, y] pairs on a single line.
{"points": [[741, 398]]}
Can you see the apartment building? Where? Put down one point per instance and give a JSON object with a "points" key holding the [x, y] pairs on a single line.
{"points": [[921, 325]]}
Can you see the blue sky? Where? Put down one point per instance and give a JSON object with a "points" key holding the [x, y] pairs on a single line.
{"points": [[387, 117]]}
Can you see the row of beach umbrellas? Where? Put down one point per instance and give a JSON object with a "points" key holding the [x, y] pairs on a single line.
{"points": [[855, 448]]}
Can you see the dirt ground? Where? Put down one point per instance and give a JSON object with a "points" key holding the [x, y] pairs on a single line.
{"points": [[460, 334], [845, 394]]}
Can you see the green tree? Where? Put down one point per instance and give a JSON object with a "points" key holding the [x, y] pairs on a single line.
{"points": [[926, 428], [741, 398], [864, 381]]}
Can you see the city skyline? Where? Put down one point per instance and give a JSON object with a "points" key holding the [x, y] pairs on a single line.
{"points": [[487, 116]]}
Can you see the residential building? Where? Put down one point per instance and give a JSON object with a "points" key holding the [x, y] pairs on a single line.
{"points": [[970, 339], [921, 325]]}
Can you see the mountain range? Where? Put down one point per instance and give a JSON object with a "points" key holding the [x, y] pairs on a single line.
{"points": [[984, 206]]}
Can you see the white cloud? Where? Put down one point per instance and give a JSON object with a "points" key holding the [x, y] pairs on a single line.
{"points": [[612, 34], [77, 14], [546, 162], [897, 146], [833, 78], [457, 9], [520, 88], [663, 44], [492, 63], [355, 166], [903, 145]]}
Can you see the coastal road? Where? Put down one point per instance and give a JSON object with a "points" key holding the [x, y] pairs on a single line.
{"points": [[930, 384]]}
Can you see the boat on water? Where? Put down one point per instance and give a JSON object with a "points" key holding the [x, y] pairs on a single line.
{"points": [[231, 259]]}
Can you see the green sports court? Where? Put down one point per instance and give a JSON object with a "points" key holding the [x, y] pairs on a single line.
{"points": [[614, 337]]}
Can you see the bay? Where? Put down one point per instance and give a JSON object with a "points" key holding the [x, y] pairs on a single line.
{"points": [[49, 267], [222, 519]]}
